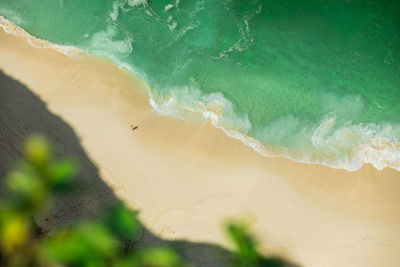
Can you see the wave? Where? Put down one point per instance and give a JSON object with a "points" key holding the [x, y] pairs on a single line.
{"points": [[121, 4], [10, 28], [104, 41], [12, 15], [374, 144], [348, 147]]}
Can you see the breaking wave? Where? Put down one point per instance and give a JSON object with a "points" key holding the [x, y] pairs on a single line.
{"points": [[343, 148], [13, 29], [328, 142]]}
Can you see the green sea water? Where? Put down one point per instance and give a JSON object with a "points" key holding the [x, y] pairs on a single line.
{"points": [[313, 80]]}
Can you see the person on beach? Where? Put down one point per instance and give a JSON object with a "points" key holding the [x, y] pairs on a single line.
{"points": [[134, 127]]}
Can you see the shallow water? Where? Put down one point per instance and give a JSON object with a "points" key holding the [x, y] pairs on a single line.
{"points": [[313, 80]]}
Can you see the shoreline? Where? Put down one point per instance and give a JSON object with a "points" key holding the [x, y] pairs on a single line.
{"points": [[314, 215], [369, 153]]}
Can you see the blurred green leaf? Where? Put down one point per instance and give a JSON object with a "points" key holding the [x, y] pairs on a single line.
{"points": [[14, 231], [61, 174], [23, 183], [159, 257], [28, 188], [271, 262], [85, 245], [123, 222], [244, 243], [37, 150], [246, 248]]}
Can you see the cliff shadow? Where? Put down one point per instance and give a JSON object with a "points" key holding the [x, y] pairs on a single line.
{"points": [[22, 113]]}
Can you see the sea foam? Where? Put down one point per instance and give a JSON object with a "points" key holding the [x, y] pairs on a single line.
{"points": [[13, 29], [105, 41], [120, 4], [377, 144]]}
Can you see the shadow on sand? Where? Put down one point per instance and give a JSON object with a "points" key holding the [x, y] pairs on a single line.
{"points": [[22, 113]]}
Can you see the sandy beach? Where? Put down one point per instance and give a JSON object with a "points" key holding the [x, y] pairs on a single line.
{"points": [[188, 179]]}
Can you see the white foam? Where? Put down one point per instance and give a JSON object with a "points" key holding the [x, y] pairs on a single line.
{"points": [[12, 15], [245, 40], [105, 40], [376, 145], [356, 145], [115, 11], [171, 23], [168, 7], [10, 28], [188, 103], [119, 4], [137, 2]]}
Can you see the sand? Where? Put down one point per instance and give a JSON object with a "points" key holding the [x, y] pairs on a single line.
{"points": [[188, 179]]}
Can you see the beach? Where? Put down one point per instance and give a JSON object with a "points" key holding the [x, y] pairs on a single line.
{"points": [[187, 179]]}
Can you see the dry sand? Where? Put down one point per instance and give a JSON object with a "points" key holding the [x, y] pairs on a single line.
{"points": [[187, 179]]}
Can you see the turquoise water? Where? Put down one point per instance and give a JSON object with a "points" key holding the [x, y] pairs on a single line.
{"points": [[314, 80]]}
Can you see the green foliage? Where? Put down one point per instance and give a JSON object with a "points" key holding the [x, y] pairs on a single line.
{"points": [[244, 244], [158, 257], [245, 247], [32, 189], [123, 222]]}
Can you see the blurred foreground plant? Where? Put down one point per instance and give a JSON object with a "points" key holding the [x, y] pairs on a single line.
{"points": [[245, 248], [32, 190]]}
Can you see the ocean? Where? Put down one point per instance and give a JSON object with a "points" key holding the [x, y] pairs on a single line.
{"points": [[316, 81]]}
